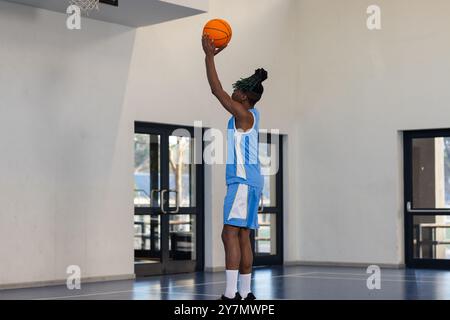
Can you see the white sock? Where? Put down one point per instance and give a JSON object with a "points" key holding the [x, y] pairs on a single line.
{"points": [[232, 278], [245, 283]]}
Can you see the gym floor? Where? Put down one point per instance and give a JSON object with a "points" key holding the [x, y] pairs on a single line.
{"points": [[276, 283]]}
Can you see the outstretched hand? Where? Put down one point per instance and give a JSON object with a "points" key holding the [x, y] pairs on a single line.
{"points": [[209, 47]]}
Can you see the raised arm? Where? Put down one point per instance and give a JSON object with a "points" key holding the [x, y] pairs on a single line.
{"points": [[235, 108]]}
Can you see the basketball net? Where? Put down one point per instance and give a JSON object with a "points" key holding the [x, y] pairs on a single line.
{"points": [[86, 5]]}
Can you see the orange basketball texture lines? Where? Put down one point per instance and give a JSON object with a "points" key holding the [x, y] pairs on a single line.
{"points": [[220, 31]]}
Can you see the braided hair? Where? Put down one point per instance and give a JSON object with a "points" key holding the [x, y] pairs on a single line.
{"points": [[252, 86]]}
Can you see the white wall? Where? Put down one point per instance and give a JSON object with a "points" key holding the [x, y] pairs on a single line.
{"points": [[168, 84], [357, 90], [66, 156]]}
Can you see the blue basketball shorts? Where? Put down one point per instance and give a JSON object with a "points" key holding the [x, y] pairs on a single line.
{"points": [[241, 206]]}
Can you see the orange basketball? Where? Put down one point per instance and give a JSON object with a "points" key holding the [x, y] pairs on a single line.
{"points": [[220, 31]]}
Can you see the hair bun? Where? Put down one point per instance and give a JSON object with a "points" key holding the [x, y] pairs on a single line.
{"points": [[261, 74]]}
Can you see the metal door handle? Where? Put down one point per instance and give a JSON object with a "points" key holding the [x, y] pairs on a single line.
{"points": [[163, 193], [176, 201], [153, 193], [261, 207]]}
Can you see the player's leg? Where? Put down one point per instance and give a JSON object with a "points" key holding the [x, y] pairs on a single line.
{"points": [[230, 238], [254, 196], [246, 265]]}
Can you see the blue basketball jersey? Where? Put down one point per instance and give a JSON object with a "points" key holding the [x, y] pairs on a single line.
{"points": [[243, 164]]}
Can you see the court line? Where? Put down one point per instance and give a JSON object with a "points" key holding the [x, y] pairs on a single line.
{"points": [[291, 275], [143, 290], [162, 288], [209, 295], [383, 279], [383, 275]]}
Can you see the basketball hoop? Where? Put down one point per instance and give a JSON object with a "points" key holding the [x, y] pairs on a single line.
{"points": [[85, 5]]}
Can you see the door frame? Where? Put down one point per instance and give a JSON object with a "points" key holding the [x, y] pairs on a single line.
{"points": [[278, 259], [410, 261], [182, 266]]}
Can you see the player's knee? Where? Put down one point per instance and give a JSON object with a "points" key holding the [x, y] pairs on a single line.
{"points": [[244, 236], [228, 235]]}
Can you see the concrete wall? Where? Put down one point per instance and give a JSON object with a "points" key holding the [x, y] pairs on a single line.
{"points": [[358, 89], [66, 192]]}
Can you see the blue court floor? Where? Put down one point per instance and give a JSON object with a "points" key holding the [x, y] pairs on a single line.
{"points": [[279, 283]]}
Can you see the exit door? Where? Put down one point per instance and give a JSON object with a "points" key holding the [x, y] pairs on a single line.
{"points": [[168, 199], [427, 198]]}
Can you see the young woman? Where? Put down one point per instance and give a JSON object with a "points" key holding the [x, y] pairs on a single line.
{"points": [[243, 173]]}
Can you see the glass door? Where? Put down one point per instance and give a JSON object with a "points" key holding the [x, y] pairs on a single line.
{"points": [[268, 240], [147, 184], [427, 198], [168, 218], [182, 198]]}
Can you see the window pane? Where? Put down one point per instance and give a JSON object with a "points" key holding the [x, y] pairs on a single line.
{"points": [[182, 171], [147, 240], [431, 237], [147, 170], [182, 237], [431, 173], [268, 155], [266, 235]]}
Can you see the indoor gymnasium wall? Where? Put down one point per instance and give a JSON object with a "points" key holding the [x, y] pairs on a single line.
{"points": [[168, 84], [66, 159], [357, 90]]}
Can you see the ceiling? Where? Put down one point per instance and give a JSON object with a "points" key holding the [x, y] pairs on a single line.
{"points": [[132, 13]]}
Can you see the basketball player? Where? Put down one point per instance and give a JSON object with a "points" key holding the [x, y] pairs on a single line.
{"points": [[243, 173]]}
